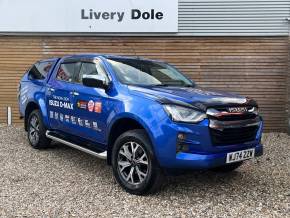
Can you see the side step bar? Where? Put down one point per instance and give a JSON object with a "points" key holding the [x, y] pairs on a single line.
{"points": [[102, 155]]}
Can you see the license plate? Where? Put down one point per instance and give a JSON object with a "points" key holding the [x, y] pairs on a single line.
{"points": [[240, 155]]}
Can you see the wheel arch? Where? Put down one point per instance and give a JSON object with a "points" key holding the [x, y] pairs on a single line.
{"points": [[121, 125], [34, 105]]}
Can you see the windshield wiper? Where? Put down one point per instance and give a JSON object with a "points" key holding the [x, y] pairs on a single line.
{"points": [[160, 85], [176, 85], [188, 85]]}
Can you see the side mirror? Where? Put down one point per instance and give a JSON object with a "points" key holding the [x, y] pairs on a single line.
{"points": [[95, 81]]}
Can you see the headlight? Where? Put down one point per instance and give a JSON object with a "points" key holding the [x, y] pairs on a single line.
{"points": [[184, 114], [254, 110]]}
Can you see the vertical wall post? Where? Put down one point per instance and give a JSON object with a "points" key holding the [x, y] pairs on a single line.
{"points": [[288, 81], [9, 116]]}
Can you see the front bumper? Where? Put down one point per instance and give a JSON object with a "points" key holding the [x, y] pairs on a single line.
{"points": [[201, 154], [206, 161]]}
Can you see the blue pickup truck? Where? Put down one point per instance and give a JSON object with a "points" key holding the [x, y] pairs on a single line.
{"points": [[143, 116]]}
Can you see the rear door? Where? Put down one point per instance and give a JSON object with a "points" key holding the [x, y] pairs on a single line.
{"points": [[59, 96]]}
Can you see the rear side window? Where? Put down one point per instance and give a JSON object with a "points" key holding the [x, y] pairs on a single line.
{"points": [[68, 71], [39, 71]]}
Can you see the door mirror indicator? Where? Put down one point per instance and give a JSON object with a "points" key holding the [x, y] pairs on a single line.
{"points": [[95, 81]]}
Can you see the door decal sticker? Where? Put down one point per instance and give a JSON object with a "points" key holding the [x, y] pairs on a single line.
{"points": [[98, 107], [56, 115], [91, 105], [75, 120], [87, 124], [61, 117], [67, 118], [82, 104], [61, 102], [80, 122]]}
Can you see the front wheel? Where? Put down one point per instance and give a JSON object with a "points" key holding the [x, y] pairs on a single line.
{"points": [[134, 165]]}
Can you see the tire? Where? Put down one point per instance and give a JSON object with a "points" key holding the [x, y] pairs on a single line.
{"points": [[36, 131], [137, 172], [227, 168]]}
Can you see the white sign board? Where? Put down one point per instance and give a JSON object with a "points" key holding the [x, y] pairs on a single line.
{"points": [[96, 16]]}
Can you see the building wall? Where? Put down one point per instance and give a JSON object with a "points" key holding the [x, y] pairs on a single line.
{"points": [[288, 85], [252, 66], [233, 17]]}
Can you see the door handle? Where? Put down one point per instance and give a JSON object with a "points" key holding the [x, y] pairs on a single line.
{"points": [[74, 93], [51, 89]]}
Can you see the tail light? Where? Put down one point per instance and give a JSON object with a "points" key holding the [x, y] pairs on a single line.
{"points": [[18, 90]]}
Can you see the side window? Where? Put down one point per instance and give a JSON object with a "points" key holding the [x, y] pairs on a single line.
{"points": [[67, 72], [91, 69], [39, 70]]}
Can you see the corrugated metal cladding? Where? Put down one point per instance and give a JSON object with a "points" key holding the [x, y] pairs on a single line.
{"points": [[233, 17], [253, 63], [252, 66]]}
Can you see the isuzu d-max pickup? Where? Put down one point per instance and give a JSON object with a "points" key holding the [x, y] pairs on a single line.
{"points": [[143, 116]]}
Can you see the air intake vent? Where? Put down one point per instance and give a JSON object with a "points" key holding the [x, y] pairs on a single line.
{"points": [[233, 136]]}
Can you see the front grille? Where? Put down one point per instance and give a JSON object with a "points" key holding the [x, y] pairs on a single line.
{"points": [[233, 136], [244, 116], [232, 116]]}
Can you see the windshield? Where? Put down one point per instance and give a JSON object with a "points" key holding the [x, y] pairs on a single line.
{"points": [[147, 73]]}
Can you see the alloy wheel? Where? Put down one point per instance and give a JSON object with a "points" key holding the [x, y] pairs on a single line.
{"points": [[133, 163], [34, 130]]}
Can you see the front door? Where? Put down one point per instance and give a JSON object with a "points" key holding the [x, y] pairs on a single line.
{"points": [[92, 106]]}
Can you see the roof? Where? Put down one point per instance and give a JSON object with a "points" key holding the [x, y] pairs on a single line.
{"points": [[107, 56], [48, 60]]}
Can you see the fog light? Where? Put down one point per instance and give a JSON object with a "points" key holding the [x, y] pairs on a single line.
{"points": [[181, 145], [181, 136]]}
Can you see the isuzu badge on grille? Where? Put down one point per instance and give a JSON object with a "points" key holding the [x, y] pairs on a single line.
{"points": [[237, 109]]}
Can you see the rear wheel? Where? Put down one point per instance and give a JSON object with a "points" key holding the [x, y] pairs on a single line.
{"points": [[134, 165], [227, 168], [36, 131]]}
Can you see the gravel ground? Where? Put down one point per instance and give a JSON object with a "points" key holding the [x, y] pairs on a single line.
{"points": [[62, 182]]}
